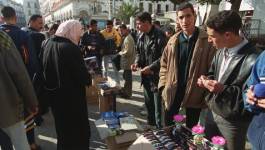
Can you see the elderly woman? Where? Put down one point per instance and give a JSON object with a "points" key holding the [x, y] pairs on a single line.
{"points": [[65, 77]]}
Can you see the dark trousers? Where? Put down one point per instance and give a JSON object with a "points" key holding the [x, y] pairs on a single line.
{"points": [[5, 142], [234, 132], [153, 105], [127, 89], [192, 115]]}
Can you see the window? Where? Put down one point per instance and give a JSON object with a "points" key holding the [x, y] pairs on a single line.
{"points": [[167, 8], [141, 6], [158, 8], [35, 4], [29, 4], [29, 13], [150, 7]]}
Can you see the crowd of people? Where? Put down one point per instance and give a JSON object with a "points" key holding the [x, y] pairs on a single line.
{"points": [[209, 71]]}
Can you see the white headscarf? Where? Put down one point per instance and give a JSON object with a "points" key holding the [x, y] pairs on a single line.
{"points": [[71, 29]]}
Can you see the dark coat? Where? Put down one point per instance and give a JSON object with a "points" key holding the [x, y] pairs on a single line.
{"points": [[24, 45], [65, 78], [229, 103], [151, 55]]}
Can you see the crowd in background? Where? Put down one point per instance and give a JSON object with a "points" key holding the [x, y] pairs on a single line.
{"points": [[209, 71]]}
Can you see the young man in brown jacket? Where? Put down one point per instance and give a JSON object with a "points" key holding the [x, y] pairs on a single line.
{"points": [[186, 56]]}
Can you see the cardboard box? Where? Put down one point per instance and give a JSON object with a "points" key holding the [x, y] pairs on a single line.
{"points": [[121, 142], [97, 78], [106, 102], [92, 94]]}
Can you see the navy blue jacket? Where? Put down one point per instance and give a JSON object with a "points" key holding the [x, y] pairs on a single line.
{"points": [[256, 130], [24, 45]]}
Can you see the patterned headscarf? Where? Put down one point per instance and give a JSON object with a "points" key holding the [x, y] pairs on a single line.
{"points": [[71, 29]]}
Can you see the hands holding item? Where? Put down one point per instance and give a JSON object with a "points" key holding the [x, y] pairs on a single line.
{"points": [[146, 71], [212, 85], [134, 67], [251, 99]]}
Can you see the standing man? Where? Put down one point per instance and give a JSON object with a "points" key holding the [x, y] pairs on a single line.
{"points": [[34, 29], [256, 104], [112, 43], [92, 43], [127, 59], [230, 68], [21, 39], [186, 57], [16, 93], [149, 49]]}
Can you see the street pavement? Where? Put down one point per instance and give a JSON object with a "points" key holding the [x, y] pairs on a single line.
{"points": [[46, 135]]}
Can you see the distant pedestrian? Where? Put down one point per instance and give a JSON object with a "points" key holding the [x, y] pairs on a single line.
{"points": [[112, 44], [127, 59]]}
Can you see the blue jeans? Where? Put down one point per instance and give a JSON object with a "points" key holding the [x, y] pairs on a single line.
{"points": [[256, 132], [17, 135], [105, 64]]}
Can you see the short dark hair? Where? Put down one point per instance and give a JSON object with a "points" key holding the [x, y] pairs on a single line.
{"points": [[143, 17], [93, 22], [34, 17], [8, 12], [123, 26], [109, 22], [157, 23], [185, 5], [224, 21]]}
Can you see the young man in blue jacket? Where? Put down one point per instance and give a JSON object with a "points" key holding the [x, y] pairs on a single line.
{"points": [[256, 130]]}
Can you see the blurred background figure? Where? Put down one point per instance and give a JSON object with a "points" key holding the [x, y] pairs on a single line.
{"points": [[127, 59]]}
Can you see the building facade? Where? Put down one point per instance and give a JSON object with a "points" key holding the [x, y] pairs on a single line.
{"points": [[31, 7], [61, 10]]}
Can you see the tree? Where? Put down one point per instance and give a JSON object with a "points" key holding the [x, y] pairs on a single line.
{"points": [[235, 3], [125, 11]]}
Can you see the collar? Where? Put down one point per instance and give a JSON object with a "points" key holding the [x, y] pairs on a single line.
{"points": [[151, 31], [234, 50], [184, 37]]}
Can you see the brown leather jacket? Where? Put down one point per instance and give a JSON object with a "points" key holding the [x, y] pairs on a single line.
{"points": [[199, 65]]}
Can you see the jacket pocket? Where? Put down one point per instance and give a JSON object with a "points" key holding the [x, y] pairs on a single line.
{"points": [[168, 94]]}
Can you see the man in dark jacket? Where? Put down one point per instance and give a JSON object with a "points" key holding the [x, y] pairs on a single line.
{"points": [[21, 39], [150, 46], [230, 68], [92, 43]]}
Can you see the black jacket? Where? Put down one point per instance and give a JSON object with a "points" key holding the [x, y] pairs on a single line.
{"points": [[229, 103], [150, 56]]}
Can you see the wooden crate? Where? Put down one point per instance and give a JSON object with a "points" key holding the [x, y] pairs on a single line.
{"points": [[92, 94]]}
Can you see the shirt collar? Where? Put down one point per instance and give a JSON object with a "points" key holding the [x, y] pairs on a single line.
{"points": [[234, 50], [184, 37]]}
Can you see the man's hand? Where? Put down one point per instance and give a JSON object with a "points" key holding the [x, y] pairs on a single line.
{"points": [[33, 110], [134, 67], [146, 71], [251, 99], [201, 80], [212, 85]]}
